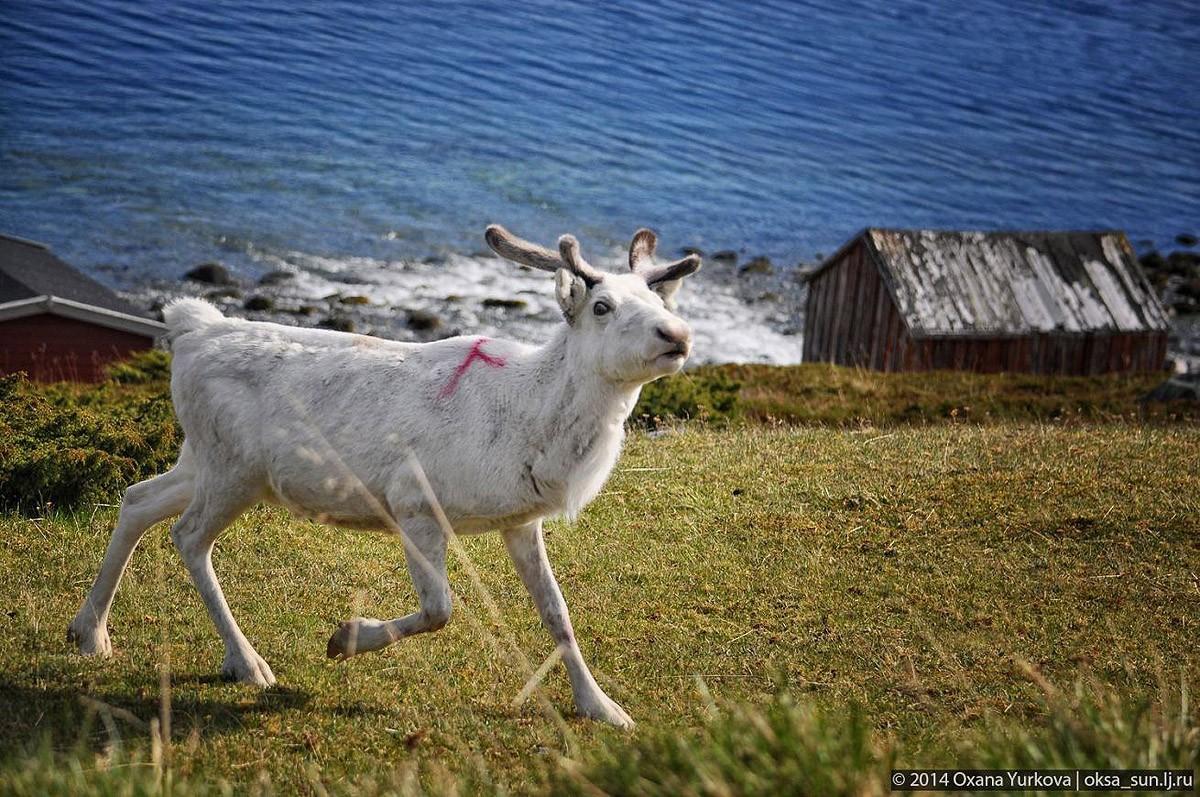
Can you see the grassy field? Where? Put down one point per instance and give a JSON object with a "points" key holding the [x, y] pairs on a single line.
{"points": [[64, 446], [831, 395], [837, 598]]}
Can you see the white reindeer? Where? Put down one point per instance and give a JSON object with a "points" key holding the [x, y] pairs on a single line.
{"points": [[330, 424]]}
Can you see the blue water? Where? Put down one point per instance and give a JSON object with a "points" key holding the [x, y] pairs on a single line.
{"points": [[139, 138]]}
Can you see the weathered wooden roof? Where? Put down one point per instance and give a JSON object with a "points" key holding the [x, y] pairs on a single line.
{"points": [[1012, 283]]}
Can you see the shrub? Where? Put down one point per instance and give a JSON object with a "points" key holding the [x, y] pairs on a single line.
{"points": [[708, 395], [62, 445], [148, 367]]}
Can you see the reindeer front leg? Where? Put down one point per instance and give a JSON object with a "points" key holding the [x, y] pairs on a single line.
{"points": [[425, 554], [528, 551]]}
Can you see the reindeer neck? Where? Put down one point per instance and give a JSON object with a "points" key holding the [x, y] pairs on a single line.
{"points": [[577, 401], [576, 428], [579, 388]]}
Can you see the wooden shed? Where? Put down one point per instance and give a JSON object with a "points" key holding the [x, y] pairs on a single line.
{"points": [[1040, 302], [57, 324]]}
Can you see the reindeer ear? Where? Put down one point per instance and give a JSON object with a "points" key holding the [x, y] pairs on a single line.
{"points": [[571, 291], [666, 280], [667, 290]]}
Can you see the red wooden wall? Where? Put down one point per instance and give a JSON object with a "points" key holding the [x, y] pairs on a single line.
{"points": [[51, 348], [850, 319]]}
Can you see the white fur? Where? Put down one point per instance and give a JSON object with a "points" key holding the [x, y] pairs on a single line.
{"points": [[324, 423]]}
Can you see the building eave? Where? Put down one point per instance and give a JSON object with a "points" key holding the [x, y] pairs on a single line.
{"points": [[27, 241], [828, 262], [79, 311], [1029, 334]]}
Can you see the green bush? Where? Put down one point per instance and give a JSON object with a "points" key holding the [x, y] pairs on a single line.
{"points": [[830, 395], [148, 367], [703, 395], [67, 444], [64, 445], [821, 394]]}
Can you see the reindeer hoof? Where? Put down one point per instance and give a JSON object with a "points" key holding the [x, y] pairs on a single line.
{"points": [[359, 635], [604, 709], [343, 644], [91, 640], [249, 668]]}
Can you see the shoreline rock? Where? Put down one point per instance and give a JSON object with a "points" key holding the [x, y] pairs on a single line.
{"points": [[210, 274], [748, 316]]}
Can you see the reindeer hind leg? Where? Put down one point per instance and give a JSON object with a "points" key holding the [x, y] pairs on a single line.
{"points": [[145, 504]]}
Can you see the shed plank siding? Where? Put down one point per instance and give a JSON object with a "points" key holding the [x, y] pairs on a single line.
{"points": [[846, 328], [864, 331], [846, 307], [882, 342], [812, 326], [830, 314], [51, 348], [806, 350], [864, 308], [886, 345], [839, 321], [824, 328], [882, 300], [827, 315], [893, 338], [857, 332], [825, 324]]}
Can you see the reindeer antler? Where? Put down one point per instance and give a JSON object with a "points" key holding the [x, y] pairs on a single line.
{"points": [[518, 250], [568, 248], [641, 260]]}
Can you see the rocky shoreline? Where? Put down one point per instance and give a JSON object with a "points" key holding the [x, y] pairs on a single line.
{"points": [[743, 310], [1176, 278]]}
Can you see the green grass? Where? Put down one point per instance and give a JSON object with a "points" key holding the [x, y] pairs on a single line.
{"points": [[833, 395], [68, 445], [843, 597]]}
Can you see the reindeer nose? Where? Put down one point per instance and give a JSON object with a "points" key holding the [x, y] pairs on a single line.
{"points": [[674, 333]]}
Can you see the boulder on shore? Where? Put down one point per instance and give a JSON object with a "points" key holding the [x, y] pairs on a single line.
{"points": [[276, 278], [757, 265], [259, 303], [423, 320], [210, 274], [505, 304], [337, 323]]}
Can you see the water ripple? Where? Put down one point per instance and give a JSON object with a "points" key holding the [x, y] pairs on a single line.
{"points": [[148, 134]]}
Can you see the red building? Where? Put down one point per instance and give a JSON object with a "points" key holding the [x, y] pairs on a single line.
{"points": [[57, 324], [1040, 302]]}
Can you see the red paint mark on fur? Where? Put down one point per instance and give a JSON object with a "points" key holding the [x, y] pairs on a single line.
{"points": [[476, 353]]}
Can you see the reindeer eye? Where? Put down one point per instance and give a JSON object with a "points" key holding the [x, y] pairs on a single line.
{"points": [[601, 308]]}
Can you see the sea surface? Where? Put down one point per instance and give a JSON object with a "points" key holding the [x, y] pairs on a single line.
{"points": [[341, 138]]}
